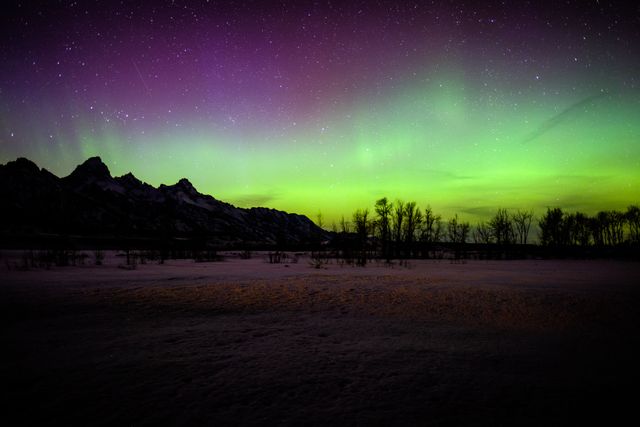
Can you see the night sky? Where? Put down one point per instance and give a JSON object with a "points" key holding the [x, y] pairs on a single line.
{"points": [[308, 106]]}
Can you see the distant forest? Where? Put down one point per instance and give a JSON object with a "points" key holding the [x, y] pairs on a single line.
{"points": [[401, 229]]}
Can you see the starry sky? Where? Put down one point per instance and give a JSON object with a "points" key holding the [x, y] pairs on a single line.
{"points": [[310, 106]]}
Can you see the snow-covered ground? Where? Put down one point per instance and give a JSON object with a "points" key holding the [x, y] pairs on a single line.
{"points": [[245, 342]]}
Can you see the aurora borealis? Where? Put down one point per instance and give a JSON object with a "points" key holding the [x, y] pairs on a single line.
{"points": [[324, 106]]}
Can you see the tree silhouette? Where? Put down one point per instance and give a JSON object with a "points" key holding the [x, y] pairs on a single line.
{"points": [[502, 228], [551, 227], [398, 226], [345, 227], [361, 222], [452, 229], [398, 218], [610, 226], [569, 229], [465, 227], [457, 231], [320, 219], [483, 233], [432, 229], [320, 223], [362, 225], [633, 219], [581, 232], [412, 221], [384, 209], [596, 226], [605, 224], [522, 224], [617, 221]]}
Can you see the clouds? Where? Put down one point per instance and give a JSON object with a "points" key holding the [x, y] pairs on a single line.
{"points": [[570, 113], [253, 200]]}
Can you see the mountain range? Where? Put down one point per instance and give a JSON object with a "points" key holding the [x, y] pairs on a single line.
{"points": [[91, 203]]}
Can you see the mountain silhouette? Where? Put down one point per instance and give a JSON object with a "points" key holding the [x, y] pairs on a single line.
{"points": [[91, 202]]}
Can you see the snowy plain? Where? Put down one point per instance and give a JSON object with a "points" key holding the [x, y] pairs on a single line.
{"points": [[245, 342]]}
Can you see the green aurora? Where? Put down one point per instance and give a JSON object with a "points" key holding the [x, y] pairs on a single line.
{"points": [[430, 144], [464, 109]]}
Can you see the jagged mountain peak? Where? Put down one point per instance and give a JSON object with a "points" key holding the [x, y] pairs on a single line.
{"points": [[24, 175], [89, 201], [183, 185], [93, 167], [130, 179], [23, 164]]}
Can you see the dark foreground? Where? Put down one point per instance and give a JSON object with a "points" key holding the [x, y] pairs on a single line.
{"points": [[243, 342]]}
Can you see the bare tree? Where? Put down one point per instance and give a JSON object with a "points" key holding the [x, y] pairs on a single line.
{"points": [[452, 229], [502, 228], [345, 226], [596, 225], [482, 233], [633, 219], [607, 227], [581, 233], [384, 210], [522, 224], [412, 221], [569, 229], [432, 230], [320, 220], [362, 223], [465, 227], [458, 231], [398, 218], [551, 227], [617, 221]]}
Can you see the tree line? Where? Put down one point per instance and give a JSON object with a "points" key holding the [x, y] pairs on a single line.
{"points": [[403, 229], [606, 228]]}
